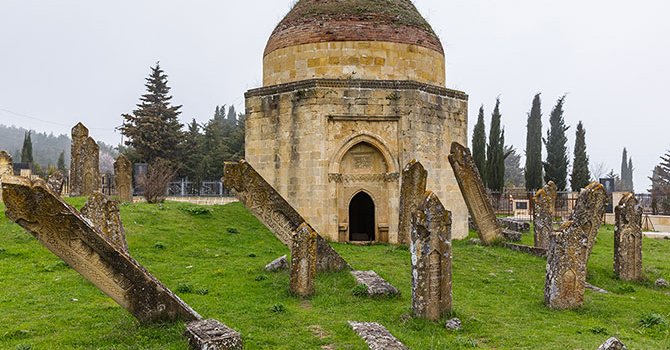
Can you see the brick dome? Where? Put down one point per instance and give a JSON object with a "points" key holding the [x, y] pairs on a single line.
{"points": [[318, 21]]}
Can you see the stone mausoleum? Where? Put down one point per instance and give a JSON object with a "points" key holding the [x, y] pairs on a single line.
{"points": [[352, 91]]}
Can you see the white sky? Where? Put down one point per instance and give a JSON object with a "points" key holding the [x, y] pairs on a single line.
{"points": [[80, 60]]}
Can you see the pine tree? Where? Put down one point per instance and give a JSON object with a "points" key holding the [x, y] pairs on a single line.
{"points": [[479, 145], [533, 169], [581, 176], [495, 158], [60, 165], [27, 150], [153, 129], [556, 166]]}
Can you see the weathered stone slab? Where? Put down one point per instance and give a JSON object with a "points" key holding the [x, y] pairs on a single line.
{"points": [[473, 191], [570, 248], [377, 336], [412, 190], [613, 344], [105, 215], [453, 324], [541, 252], [278, 264], [514, 225], [543, 214], [431, 259], [275, 212], [123, 178], [212, 335], [67, 234], [6, 167], [56, 181], [596, 289], [303, 261], [513, 236], [376, 285], [84, 163], [628, 239]]}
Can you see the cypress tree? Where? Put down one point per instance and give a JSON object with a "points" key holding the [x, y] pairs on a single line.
{"points": [[193, 141], [479, 145], [581, 176], [624, 170], [556, 166], [27, 150], [495, 159], [631, 183], [533, 169], [60, 165]]}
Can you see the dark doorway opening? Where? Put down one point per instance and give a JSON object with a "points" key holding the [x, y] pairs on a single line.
{"points": [[362, 218]]}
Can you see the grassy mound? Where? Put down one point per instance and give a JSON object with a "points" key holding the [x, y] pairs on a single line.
{"points": [[213, 258]]}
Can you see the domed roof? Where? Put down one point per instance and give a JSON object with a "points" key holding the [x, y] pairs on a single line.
{"points": [[315, 21]]}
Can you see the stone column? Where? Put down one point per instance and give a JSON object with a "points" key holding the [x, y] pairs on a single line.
{"points": [[105, 216], [412, 190], [84, 163], [543, 214], [570, 248], [123, 178], [303, 261], [473, 191], [6, 167], [628, 239], [431, 259]]}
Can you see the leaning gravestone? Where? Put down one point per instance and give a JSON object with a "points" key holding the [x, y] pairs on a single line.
{"points": [[303, 261], [570, 248], [472, 188], [412, 190], [6, 167], [628, 239], [123, 178], [431, 259], [275, 212], [543, 214], [104, 214], [56, 181], [84, 163], [67, 234]]}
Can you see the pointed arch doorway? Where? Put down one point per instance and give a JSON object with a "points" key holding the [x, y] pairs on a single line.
{"points": [[362, 218]]}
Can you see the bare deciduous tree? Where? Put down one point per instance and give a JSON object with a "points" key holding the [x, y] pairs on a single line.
{"points": [[155, 182]]}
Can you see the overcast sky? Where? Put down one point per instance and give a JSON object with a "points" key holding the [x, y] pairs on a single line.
{"points": [[80, 60]]}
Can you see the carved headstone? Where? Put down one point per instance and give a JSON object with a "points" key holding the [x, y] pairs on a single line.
{"points": [[212, 335], [473, 191], [628, 239], [6, 167], [275, 212], [67, 234], [376, 336], [303, 261], [412, 190], [570, 248], [123, 178], [84, 164], [104, 214], [543, 214], [431, 259], [56, 181]]}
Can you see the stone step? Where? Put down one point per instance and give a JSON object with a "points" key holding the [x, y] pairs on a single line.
{"points": [[376, 285], [377, 336]]}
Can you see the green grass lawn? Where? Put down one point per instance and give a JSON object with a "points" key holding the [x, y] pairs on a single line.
{"points": [[214, 259]]}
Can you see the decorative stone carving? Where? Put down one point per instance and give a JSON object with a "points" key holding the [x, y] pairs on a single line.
{"points": [[67, 234], [278, 264], [56, 181], [543, 215], [275, 212], [303, 261], [123, 178], [84, 164], [104, 214], [212, 335], [570, 248], [412, 190], [473, 191], [628, 239], [431, 259], [377, 336], [376, 285], [6, 167]]}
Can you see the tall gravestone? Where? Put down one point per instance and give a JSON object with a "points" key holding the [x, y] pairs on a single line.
{"points": [[412, 191], [84, 163], [123, 178], [303, 261], [74, 239], [628, 239], [570, 248], [431, 259], [543, 214], [105, 215], [474, 193], [275, 212], [6, 167]]}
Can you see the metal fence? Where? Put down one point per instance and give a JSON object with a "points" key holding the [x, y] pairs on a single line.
{"points": [[186, 188]]}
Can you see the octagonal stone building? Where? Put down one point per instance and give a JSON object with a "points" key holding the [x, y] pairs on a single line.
{"points": [[352, 91]]}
